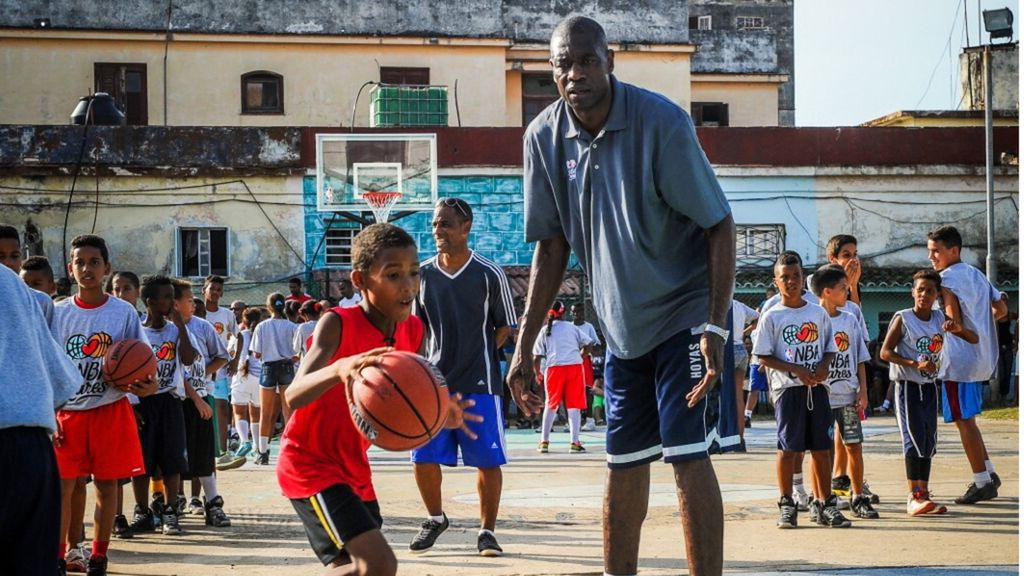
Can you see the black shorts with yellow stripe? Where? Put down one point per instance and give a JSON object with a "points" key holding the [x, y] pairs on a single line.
{"points": [[333, 517]]}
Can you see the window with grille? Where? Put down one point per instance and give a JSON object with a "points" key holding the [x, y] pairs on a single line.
{"points": [[759, 244], [262, 93], [202, 251], [338, 247], [749, 23]]}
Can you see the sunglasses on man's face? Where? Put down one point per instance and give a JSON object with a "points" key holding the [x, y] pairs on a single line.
{"points": [[453, 202]]}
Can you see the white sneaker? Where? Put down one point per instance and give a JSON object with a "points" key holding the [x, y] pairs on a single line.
{"points": [[589, 426]]}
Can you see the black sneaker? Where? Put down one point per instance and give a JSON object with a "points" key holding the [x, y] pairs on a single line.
{"points": [[746, 422], [996, 480], [142, 521], [487, 544], [215, 515], [862, 508], [866, 490], [815, 508], [975, 494], [97, 566], [787, 513], [121, 528], [831, 516], [262, 458], [841, 486], [429, 531], [171, 526], [180, 505]]}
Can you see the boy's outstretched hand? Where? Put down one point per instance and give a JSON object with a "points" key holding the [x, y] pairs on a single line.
{"points": [[457, 415]]}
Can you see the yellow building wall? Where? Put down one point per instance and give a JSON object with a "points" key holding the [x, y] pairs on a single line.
{"points": [[912, 122], [664, 72], [750, 103], [44, 79], [513, 98]]}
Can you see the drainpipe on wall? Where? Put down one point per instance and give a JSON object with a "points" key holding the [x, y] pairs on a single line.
{"points": [[167, 45]]}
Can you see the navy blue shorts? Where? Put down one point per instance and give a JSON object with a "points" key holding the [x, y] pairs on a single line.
{"points": [[162, 433], [916, 413], [646, 407], [804, 422], [487, 451], [30, 510]]}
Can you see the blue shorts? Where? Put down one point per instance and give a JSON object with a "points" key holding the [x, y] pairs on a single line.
{"points": [[222, 388], [960, 400], [646, 406], [915, 413], [804, 423], [277, 373], [758, 379], [487, 451]]}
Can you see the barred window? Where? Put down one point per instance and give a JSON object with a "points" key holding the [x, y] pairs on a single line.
{"points": [[202, 251], [759, 244], [338, 247], [749, 23]]}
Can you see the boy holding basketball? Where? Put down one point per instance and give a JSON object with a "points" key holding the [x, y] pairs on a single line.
{"points": [[96, 431], [795, 343], [323, 466], [162, 430]]}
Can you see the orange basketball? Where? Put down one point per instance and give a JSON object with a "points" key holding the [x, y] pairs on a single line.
{"points": [[127, 361], [400, 403]]}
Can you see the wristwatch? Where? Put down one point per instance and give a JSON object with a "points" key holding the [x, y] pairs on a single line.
{"points": [[717, 331]]}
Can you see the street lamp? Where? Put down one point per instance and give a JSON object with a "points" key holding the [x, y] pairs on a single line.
{"points": [[999, 24]]}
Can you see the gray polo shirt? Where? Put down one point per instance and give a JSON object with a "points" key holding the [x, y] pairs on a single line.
{"points": [[633, 202]]}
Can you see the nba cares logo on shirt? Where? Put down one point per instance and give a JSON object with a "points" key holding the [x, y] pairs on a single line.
{"points": [[218, 327], [929, 345], [842, 341], [165, 351], [805, 333], [571, 166], [78, 347]]}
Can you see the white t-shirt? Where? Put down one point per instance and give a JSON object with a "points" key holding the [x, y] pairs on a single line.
{"points": [[808, 296], [273, 339], [920, 339], [741, 316], [562, 346], [86, 334], [226, 327], [209, 347], [255, 364], [169, 369], [961, 360], [797, 335], [348, 302], [588, 330], [302, 335], [851, 351]]}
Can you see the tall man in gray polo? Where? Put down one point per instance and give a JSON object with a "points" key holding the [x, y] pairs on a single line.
{"points": [[615, 173]]}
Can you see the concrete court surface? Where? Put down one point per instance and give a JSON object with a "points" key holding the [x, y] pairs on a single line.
{"points": [[550, 519]]}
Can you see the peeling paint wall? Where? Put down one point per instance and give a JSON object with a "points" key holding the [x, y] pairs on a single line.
{"points": [[728, 50], [1005, 78], [653, 21]]}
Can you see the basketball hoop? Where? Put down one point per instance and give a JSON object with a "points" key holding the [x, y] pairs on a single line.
{"points": [[381, 203]]}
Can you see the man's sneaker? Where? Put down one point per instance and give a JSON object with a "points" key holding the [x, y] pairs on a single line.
{"points": [[919, 503], [543, 447], [243, 450], [861, 507], [841, 486], [262, 458], [429, 531], [787, 513], [215, 516], [121, 528], [802, 499], [487, 544], [831, 516], [77, 559], [866, 490], [589, 425], [577, 447], [195, 507], [142, 521], [97, 566], [171, 527], [975, 494], [747, 423], [996, 480]]}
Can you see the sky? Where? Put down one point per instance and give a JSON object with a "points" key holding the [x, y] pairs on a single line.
{"points": [[856, 60]]}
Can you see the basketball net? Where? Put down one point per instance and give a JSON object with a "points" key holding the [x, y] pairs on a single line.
{"points": [[381, 204]]}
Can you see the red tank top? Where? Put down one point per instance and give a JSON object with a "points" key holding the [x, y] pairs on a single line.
{"points": [[321, 446]]}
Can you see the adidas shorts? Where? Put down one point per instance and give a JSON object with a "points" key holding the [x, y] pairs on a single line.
{"points": [[487, 451]]}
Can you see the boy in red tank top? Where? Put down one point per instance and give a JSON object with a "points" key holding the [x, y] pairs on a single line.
{"points": [[323, 466]]}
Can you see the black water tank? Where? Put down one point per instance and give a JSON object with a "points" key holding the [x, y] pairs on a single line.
{"points": [[104, 111]]}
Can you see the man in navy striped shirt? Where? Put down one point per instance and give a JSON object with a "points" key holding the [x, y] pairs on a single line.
{"points": [[466, 304]]}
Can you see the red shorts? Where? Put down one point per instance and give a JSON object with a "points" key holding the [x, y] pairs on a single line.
{"points": [[103, 442], [565, 381], [588, 371]]}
